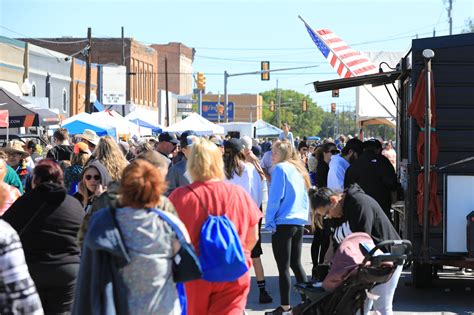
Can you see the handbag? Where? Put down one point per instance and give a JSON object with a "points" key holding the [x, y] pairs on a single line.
{"points": [[186, 266]]}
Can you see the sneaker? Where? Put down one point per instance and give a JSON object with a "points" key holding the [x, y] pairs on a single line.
{"points": [[265, 298], [279, 311]]}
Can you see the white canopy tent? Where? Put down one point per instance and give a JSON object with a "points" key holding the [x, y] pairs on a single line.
{"points": [[195, 122], [124, 127], [368, 98]]}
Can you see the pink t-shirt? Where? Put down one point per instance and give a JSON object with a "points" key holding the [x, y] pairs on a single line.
{"points": [[219, 198], [12, 195]]}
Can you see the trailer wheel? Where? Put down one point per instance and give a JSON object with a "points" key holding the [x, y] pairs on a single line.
{"points": [[422, 274]]}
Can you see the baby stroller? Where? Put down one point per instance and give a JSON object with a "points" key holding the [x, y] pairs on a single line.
{"points": [[357, 266]]}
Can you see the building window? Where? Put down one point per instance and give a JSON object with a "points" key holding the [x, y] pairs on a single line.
{"points": [[65, 101], [33, 89]]}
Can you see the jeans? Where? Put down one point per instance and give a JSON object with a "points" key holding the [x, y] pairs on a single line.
{"points": [[385, 291]]}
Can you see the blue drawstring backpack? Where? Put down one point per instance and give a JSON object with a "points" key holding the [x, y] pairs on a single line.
{"points": [[221, 254]]}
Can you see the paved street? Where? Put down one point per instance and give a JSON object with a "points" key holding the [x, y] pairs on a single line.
{"points": [[452, 294]]}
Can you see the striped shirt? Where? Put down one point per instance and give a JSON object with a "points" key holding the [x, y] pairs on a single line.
{"points": [[17, 290]]}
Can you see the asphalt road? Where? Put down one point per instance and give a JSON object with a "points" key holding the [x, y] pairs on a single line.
{"points": [[451, 294]]}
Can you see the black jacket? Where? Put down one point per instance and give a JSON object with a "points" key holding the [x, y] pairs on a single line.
{"points": [[60, 153], [50, 238], [322, 170], [363, 214], [375, 175]]}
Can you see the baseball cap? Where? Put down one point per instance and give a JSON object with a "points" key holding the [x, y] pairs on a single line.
{"points": [[168, 137], [186, 138], [372, 144], [234, 144], [246, 142]]}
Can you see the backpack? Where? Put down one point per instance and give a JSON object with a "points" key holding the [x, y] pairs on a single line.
{"points": [[221, 254]]}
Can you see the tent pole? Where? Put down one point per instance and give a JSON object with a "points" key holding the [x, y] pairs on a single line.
{"points": [[428, 55]]}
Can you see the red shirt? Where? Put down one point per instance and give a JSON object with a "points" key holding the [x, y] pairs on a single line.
{"points": [[219, 198]]}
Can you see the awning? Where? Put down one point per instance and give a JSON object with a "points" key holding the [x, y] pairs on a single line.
{"points": [[372, 79], [40, 105], [19, 115]]}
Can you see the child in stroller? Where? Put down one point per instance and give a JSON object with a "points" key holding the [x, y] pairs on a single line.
{"points": [[358, 265]]}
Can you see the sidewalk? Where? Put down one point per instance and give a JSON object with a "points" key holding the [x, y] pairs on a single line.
{"points": [[271, 277]]}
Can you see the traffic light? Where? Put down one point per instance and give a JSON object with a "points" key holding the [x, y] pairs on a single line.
{"points": [[304, 105], [272, 106], [335, 93], [333, 108], [201, 81], [264, 75]]}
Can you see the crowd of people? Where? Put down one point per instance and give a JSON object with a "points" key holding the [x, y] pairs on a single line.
{"points": [[81, 232]]}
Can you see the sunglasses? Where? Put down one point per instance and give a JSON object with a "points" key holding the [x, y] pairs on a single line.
{"points": [[89, 177], [334, 151]]}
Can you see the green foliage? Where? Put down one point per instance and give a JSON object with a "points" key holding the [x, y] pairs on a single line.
{"points": [[383, 131], [302, 123], [469, 26], [315, 122]]}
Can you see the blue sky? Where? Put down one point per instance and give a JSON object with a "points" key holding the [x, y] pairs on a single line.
{"points": [[237, 35]]}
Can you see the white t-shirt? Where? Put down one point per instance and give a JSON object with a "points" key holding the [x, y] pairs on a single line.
{"points": [[250, 181]]}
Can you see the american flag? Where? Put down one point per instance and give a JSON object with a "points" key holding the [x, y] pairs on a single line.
{"points": [[346, 61]]}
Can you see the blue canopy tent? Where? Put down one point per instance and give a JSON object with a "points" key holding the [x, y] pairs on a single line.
{"points": [[77, 127], [142, 123], [77, 123]]}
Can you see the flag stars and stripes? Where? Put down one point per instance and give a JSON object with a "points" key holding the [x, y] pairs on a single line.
{"points": [[346, 61]]}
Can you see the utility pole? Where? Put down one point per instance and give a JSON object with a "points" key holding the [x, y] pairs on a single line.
{"points": [[88, 108], [226, 97], [278, 106], [218, 106], [166, 90], [450, 17], [123, 64]]}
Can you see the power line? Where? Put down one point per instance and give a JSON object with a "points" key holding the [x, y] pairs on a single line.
{"points": [[43, 40]]}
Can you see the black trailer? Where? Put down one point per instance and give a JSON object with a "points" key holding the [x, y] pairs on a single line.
{"points": [[453, 72]]}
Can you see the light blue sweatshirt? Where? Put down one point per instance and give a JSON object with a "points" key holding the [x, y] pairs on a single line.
{"points": [[288, 198]]}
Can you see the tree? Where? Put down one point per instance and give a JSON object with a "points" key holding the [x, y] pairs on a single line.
{"points": [[469, 26], [302, 123]]}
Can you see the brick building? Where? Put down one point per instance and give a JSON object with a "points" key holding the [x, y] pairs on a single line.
{"points": [[180, 67], [141, 62], [247, 107]]}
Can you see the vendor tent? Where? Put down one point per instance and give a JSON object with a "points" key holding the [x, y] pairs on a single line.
{"points": [[265, 129], [124, 127], [373, 103], [195, 122], [144, 119], [19, 115], [77, 123]]}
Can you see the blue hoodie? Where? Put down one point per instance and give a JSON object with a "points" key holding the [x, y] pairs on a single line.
{"points": [[100, 289], [287, 199]]}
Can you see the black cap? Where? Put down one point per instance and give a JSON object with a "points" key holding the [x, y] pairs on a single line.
{"points": [[168, 137], [372, 144], [184, 139], [355, 145], [234, 144]]}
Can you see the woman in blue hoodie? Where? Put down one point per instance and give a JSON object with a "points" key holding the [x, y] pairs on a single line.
{"points": [[287, 213]]}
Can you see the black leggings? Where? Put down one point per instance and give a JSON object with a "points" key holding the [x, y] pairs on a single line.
{"points": [[320, 244], [287, 242], [55, 285]]}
